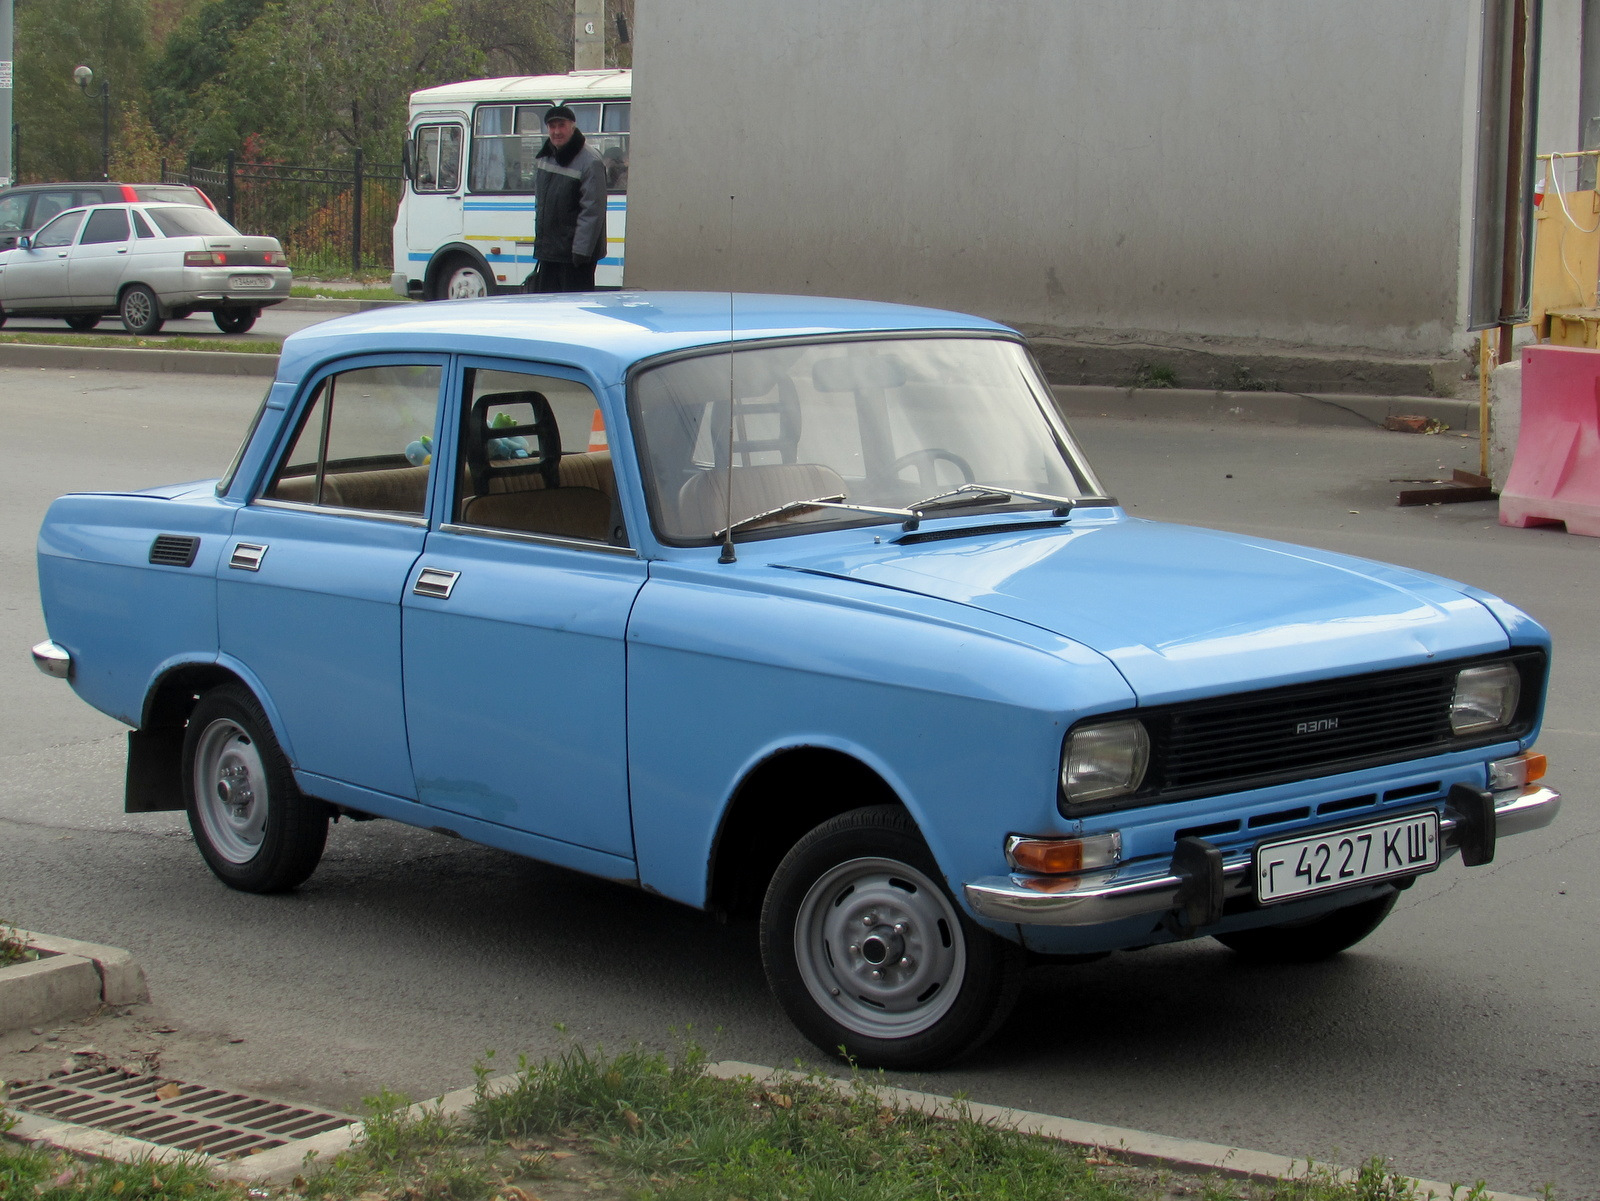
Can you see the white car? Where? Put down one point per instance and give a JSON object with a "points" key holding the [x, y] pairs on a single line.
{"points": [[146, 263]]}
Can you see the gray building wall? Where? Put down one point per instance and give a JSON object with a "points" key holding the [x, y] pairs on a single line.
{"points": [[1286, 169]]}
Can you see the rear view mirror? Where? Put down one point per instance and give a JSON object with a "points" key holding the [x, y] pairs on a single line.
{"points": [[24, 243]]}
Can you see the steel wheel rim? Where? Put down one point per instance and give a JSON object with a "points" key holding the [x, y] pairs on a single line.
{"points": [[879, 947], [466, 283], [136, 308], [231, 791]]}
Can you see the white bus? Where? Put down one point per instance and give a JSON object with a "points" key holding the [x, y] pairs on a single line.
{"points": [[465, 226]]}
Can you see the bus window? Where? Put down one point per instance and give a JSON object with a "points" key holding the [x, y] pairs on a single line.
{"points": [[438, 158], [611, 144], [505, 138], [588, 118]]}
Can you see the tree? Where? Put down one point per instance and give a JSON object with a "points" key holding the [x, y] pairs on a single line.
{"points": [[195, 56], [58, 129]]}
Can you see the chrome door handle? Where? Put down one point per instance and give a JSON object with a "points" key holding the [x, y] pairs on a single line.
{"points": [[247, 556], [435, 582]]}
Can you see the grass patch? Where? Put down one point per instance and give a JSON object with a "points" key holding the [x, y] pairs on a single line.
{"points": [[324, 292], [1154, 375], [641, 1126], [54, 1176], [126, 343], [13, 950]]}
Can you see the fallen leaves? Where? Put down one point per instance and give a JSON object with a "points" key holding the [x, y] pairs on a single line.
{"points": [[169, 1091]]}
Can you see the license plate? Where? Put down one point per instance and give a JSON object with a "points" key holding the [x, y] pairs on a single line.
{"points": [[250, 281], [1302, 867]]}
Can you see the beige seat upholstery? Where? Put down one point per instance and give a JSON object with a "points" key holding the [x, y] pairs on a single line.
{"points": [[702, 502], [589, 470], [562, 512], [390, 490]]}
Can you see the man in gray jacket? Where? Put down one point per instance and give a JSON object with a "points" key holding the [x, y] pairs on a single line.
{"points": [[569, 191]]}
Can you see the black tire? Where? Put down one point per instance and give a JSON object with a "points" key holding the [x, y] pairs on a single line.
{"points": [[1314, 939], [871, 866], [140, 311], [272, 839], [235, 321], [83, 322], [2, 317]]}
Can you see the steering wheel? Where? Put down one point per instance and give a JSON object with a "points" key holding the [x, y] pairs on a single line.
{"points": [[924, 461]]}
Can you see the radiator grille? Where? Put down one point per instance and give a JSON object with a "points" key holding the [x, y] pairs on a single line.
{"points": [[1251, 740], [174, 550]]}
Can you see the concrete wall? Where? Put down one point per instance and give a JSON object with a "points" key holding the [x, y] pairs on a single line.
{"points": [[1288, 169]]}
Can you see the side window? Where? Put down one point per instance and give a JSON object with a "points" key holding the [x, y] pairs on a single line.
{"points": [[48, 204], [140, 226], [438, 158], [59, 232], [505, 138], [13, 211], [611, 144], [365, 442], [106, 225], [525, 463]]}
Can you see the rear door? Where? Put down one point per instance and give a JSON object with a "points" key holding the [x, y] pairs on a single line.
{"points": [[100, 259], [309, 587]]}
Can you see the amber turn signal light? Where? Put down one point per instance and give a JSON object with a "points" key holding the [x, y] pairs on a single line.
{"points": [[1056, 856]]}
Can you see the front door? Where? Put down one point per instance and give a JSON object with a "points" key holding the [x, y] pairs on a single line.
{"points": [[36, 278], [100, 259], [515, 619], [433, 209], [309, 586]]}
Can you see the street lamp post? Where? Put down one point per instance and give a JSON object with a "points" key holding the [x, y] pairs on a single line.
{"points": [[83, 75]]}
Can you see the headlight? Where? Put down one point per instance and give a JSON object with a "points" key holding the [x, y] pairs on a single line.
{"points": [[1104, 761], [1486, 698]]}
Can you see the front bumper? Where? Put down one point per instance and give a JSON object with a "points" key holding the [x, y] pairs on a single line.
{"points": [[1096, 898]]}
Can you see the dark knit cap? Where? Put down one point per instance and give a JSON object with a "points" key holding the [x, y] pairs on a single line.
{"points": [[561, 112]]}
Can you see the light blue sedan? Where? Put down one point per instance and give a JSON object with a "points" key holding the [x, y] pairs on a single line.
{"points": [[807, 611]]}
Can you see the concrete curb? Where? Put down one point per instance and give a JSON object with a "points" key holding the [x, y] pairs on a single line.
{"points": [[71, 979], [1130, 1146], [329, 304], [115, 358], [281, 1164], [1270, 408]]}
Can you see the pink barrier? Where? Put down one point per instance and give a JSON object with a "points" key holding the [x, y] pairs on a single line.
{"points": [[1555, 476]]}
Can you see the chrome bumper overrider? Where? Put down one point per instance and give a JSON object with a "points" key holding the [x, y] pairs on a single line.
{"points": [[53, 660], [1094, 898]]}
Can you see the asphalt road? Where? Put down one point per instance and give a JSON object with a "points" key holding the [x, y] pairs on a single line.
{"points": [[1460, 1040], [274, 323]]}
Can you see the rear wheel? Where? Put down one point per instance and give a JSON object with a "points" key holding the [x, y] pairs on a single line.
{"points": [[1315, 938], [83, 322], [235, 321], [462, 279], [254, 827], [140, 311], [870, 955]]}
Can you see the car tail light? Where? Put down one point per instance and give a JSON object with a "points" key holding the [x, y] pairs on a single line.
{"points": [[276, 258], [205, 258], [129, 194]]}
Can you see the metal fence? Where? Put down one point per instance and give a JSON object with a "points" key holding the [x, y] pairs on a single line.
{"points": [[331, 220]]}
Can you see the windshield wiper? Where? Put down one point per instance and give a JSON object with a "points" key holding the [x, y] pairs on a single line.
{"points": [[988, 494], [835, 501]]}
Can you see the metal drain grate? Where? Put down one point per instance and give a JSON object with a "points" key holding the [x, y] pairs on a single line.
{"points": [[194, 1118]]}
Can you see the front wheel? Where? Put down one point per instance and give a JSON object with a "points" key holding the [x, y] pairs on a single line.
{"points": [[235, 321], [140, 311], [1315, 938], [255, 829], [83, 322], [462, 280], [869, 954]]}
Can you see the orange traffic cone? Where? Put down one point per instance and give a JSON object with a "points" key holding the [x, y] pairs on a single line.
{"points": [[597, 433]]}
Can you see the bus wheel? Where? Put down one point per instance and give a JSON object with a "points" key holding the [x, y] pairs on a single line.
{"points": [[461, 279]]}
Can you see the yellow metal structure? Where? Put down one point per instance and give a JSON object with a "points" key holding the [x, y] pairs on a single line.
{"points": [[1573, 327], [1566, 260]]}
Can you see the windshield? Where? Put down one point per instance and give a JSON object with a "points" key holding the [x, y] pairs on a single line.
{"points": [[882, 422], [187, 221]]}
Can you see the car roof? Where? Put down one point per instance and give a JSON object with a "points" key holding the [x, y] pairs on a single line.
{"points": [[604, 332]]}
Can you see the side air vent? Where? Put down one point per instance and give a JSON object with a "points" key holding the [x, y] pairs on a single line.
{"points": [[174, 550]]}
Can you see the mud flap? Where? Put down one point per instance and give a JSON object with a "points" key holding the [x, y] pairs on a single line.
{"points": [[155, 757]]}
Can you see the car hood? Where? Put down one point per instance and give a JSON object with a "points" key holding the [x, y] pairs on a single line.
{"points": [[1186, 612]]}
